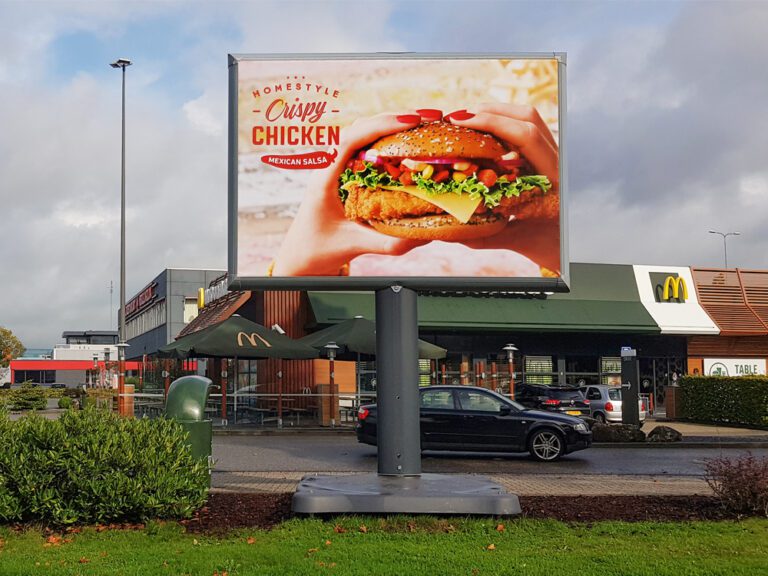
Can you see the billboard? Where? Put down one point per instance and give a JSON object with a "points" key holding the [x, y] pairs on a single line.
{"points": [[431, 171]]}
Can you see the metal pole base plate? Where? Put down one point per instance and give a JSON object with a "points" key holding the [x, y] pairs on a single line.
{"points": [[455, 494]]}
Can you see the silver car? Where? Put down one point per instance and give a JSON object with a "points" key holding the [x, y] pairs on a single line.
{"points": [[605, 403]]}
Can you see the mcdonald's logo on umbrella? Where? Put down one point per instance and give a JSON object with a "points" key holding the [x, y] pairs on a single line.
{"points": [[252, 339]]}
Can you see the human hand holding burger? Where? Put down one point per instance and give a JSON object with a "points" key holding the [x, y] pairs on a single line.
{"points": [[417, 179], [535, 231], [321, 240]]}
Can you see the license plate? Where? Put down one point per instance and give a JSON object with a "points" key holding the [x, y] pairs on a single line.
{"points": [[573, 412]]}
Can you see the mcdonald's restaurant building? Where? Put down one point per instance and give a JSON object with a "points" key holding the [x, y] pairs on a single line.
{"points": [[679, 319]]}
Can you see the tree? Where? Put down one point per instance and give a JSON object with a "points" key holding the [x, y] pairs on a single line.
{"points": [[10, 348]]}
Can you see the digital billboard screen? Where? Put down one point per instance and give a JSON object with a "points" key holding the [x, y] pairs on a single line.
{"points": [[429, 171]]}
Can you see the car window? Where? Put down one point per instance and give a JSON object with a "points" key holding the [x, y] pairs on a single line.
{"points": [[437, 399], [478, 401], [614, 394], [593, 393], [566, 394]]}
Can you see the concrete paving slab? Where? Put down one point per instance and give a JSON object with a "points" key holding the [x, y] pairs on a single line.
{"points": [[520, 484]]}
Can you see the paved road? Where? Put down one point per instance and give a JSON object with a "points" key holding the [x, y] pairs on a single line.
{"points": [[342, 453]]}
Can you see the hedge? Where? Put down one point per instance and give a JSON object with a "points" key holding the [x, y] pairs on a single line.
{"points": [[93, 466], [725, 399]]}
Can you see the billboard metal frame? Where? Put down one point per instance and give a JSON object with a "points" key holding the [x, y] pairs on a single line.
{"points": [[447, 283]]}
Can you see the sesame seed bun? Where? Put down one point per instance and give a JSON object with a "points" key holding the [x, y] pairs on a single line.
{"points": [[438, 140]]}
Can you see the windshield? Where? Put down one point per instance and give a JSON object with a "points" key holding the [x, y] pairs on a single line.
{"points": [[566, 394]]}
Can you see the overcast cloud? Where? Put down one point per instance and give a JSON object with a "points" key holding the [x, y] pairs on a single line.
{"points": [[667, 128]]}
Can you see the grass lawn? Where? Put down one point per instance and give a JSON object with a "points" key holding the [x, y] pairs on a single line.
{"points": [[400, 546]]}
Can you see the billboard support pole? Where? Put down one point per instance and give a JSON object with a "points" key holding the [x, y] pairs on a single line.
{"points": [[397, 370], [400, 487]]}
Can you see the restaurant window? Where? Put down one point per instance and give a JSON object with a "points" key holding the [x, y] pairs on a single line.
{"points": [[539, 370], [582, 370], [425, 372], [610, 370]]}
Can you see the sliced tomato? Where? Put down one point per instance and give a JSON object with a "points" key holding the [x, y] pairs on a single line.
{"points": [[359, 166], [405, 178], [392, 170], [441, 176], [487, 177]]}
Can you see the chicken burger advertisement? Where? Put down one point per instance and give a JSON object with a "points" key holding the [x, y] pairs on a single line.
{"points": [[427, 171]]}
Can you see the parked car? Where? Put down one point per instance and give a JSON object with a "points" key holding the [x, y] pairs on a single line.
{"points": [[471, 419], [562, 399], [605, 403]]}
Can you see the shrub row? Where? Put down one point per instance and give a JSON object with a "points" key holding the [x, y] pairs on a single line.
{"points": [[725, 399], [26, 397], [94, 466]]}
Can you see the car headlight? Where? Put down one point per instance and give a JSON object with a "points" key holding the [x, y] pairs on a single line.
{"points": [[581, 427]]}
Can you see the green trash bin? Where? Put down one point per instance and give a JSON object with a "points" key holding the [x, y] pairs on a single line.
{"points": [[187, 397]]}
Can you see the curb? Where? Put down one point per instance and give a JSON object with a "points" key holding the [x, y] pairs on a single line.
{"points": [[736, 443]]}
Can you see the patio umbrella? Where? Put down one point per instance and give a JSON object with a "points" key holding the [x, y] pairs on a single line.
{"points": [[237, 337], [359, 335]]}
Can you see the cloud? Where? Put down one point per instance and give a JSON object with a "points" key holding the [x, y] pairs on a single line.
{"points": [[690, 166], [667, 130], [60, 146]]}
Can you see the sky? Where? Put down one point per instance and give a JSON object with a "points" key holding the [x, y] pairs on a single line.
{"points": [[667, 130]]}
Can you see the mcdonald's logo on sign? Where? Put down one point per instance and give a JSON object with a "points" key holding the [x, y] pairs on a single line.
{"points": [[669, 287], [251, 338]]}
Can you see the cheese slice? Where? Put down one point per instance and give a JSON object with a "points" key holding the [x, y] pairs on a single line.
{"points": [[460, 206]]}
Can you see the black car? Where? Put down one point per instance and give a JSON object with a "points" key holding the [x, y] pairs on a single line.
{"points": [[470, 419], [562, 399]]}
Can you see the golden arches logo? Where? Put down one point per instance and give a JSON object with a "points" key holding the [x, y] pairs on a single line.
{"points": [[675, 288], [251, 338]]}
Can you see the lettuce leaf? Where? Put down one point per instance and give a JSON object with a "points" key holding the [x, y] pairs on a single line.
{"points": [[503, 188], [369, 178]]}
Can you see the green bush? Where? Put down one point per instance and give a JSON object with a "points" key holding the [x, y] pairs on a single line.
{"points": [[725, 399], [740, 483], [65, 402], [94, 466], [28, 396]]}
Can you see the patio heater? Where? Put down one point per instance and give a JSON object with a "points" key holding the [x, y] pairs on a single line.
{"points": [[510, 349], [331, 348]]}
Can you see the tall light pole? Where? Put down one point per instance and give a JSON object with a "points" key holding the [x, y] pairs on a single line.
{"points": [[510, 349], [725, 245], [122, 63]]}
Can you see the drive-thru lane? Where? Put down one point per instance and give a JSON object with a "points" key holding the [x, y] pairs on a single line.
{"points": [[342, 453]]}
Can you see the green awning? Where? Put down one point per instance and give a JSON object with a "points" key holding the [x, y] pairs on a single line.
{"points": [[603, 298]]}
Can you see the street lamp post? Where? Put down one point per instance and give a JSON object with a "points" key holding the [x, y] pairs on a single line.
{"points": [[122, 63], [510, 350], [331, 349], [725, 245]]}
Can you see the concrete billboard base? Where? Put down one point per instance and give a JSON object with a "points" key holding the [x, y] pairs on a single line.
{"points": [[442, 494]]}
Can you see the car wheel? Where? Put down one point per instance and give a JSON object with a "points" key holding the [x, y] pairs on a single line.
{"points": [[546, 445], [600, 417]]}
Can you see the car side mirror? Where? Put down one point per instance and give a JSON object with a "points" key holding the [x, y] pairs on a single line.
{"points": [[505, 410]]}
